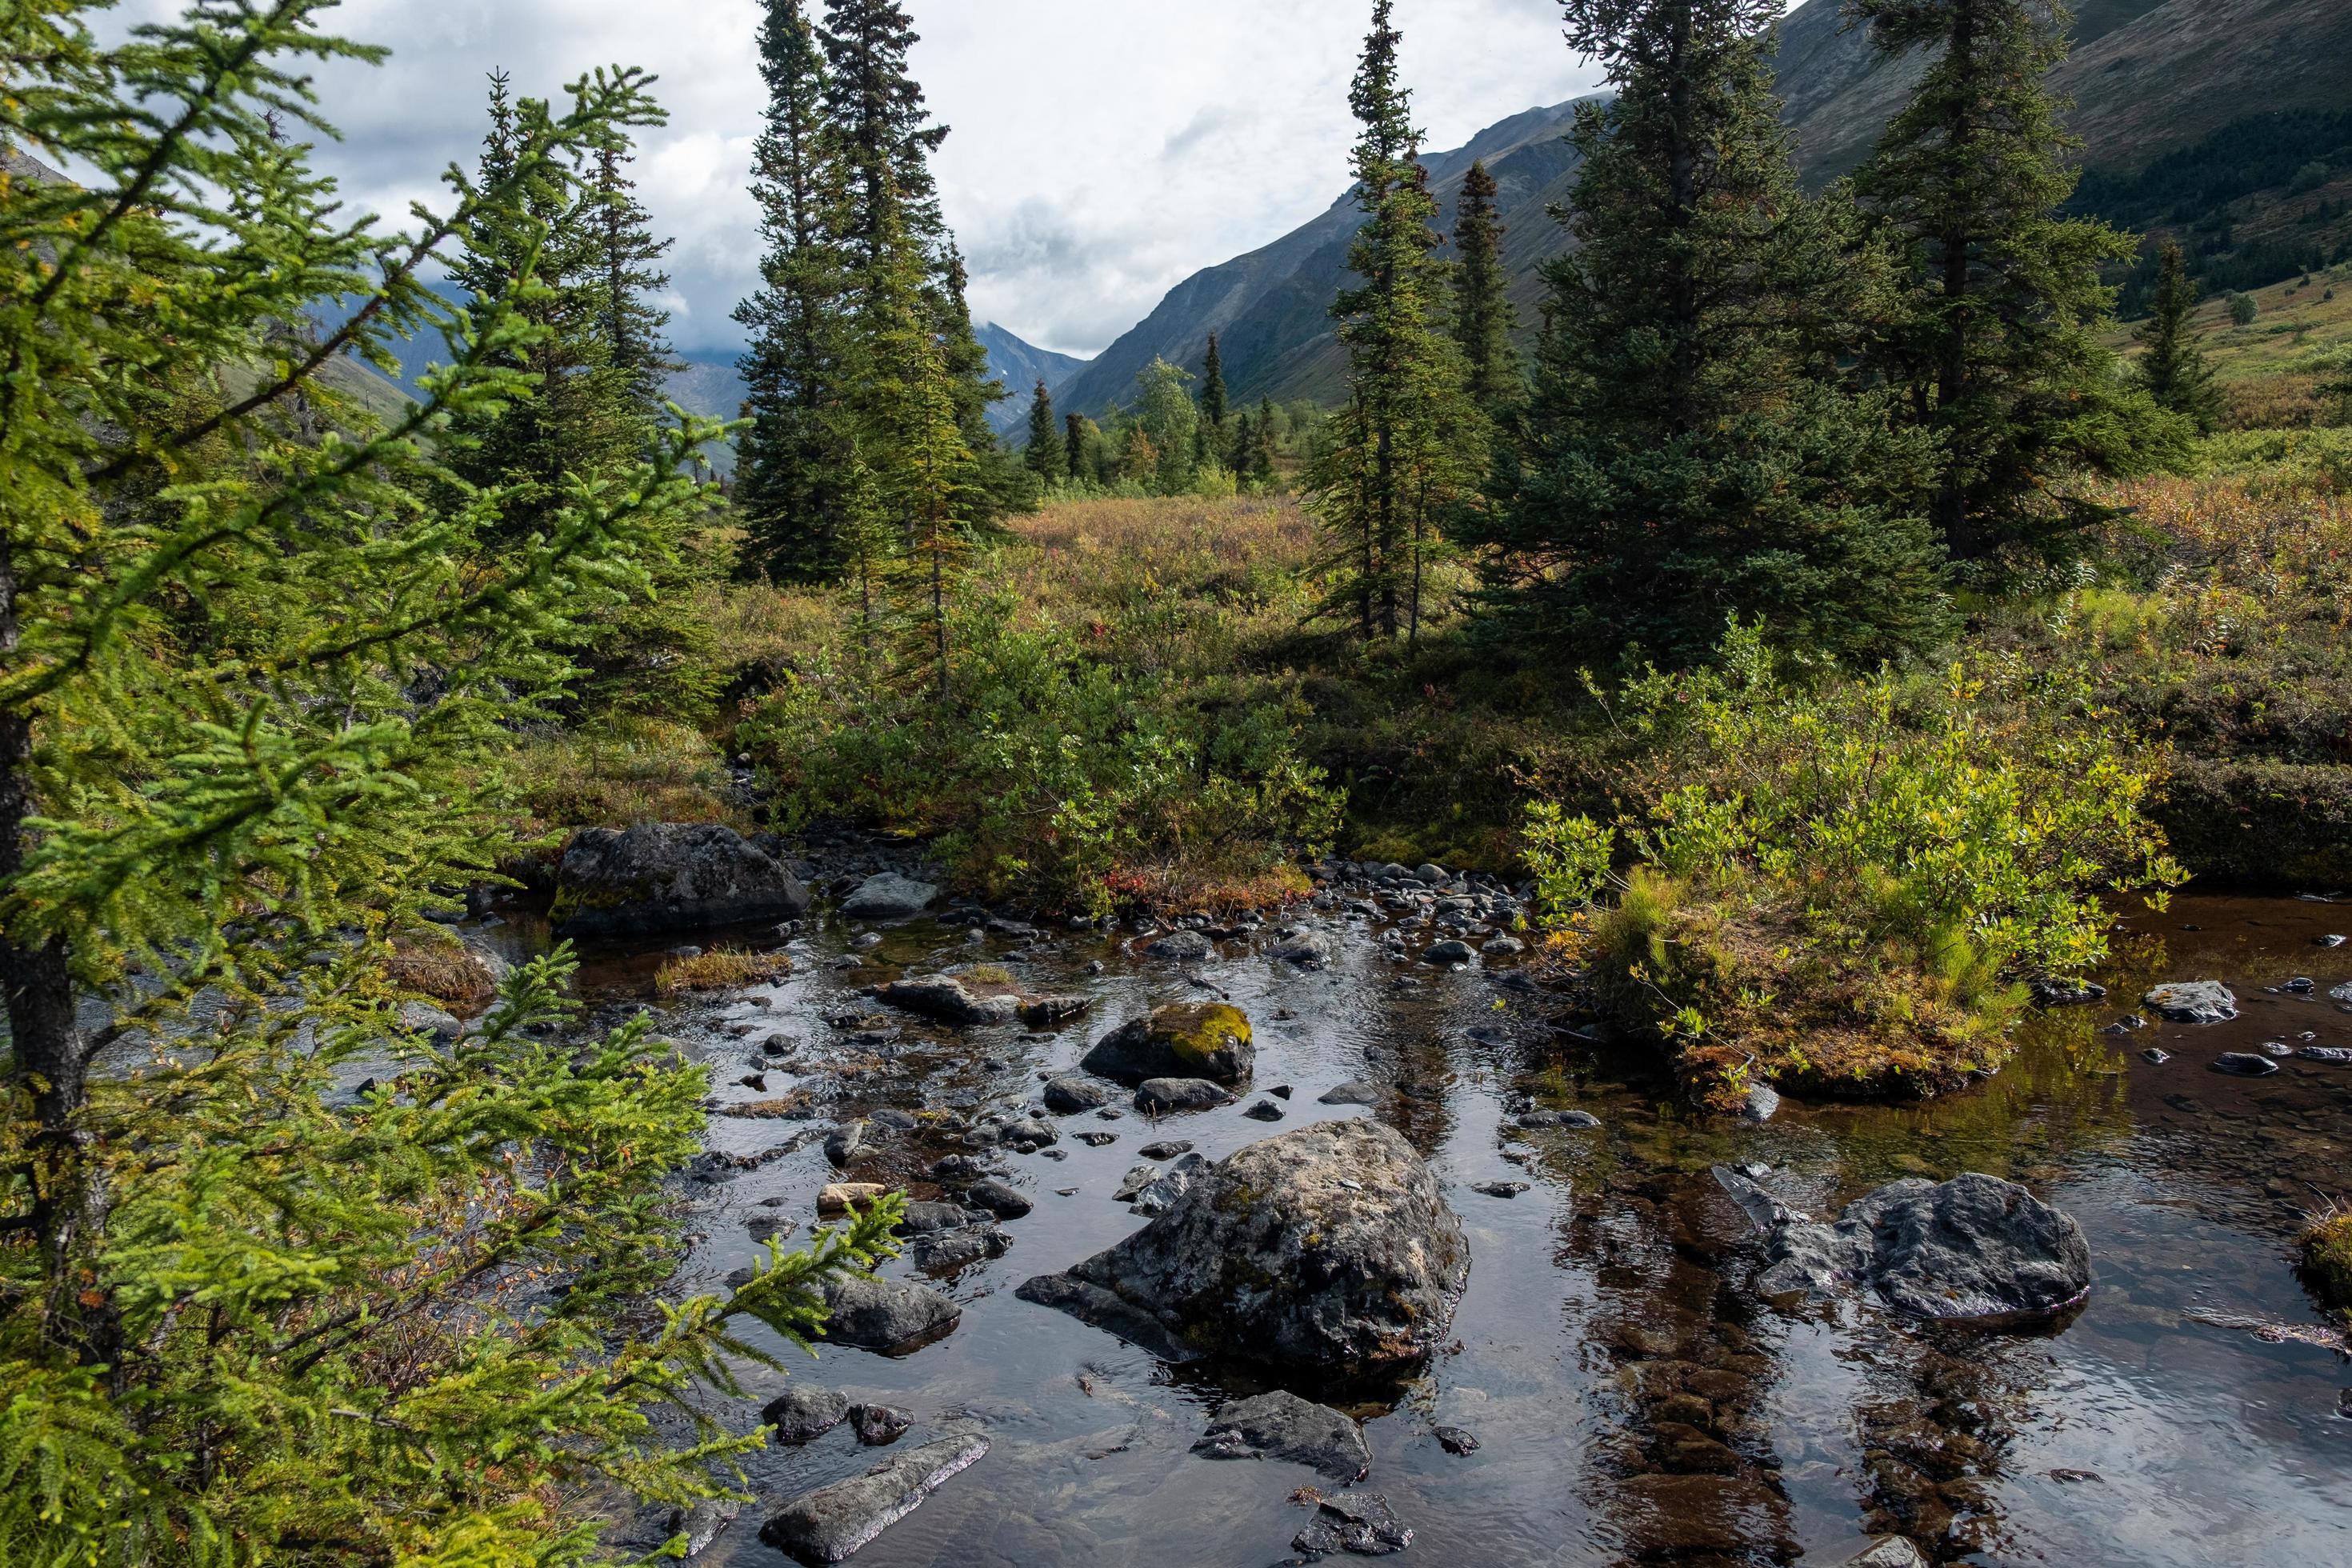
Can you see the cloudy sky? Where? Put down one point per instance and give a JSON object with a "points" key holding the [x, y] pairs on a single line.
{"points": [[1101, 151]]}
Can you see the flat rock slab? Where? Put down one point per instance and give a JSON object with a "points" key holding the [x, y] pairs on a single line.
{"points": [[1359, 1524], [944, 999], [829, 1524], [1281, 1426], [888, 897], [1184, 1040], [1330, 1247], [669, 875], [890, 1317]]}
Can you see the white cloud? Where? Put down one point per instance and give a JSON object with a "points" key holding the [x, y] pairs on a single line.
{"points": [[1102, 149]]}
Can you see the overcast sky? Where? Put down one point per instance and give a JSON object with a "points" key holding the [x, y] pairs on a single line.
{"points": [[1102, 149]]}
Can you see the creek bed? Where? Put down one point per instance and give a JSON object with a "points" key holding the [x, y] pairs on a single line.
{"points": [[1631, 1397]]}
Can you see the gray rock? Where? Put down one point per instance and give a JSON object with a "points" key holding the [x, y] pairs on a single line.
{"points": [[1454, 1441], [1183, 946], [1045, 1012], [659, 877], [888, 897], [827, 1525], [2244, 1064], [1499, 1189], [1305, 950], [1069, 1096], [1138, 1177], [945, 999], [1762, 1103], [1887, 1552], [1028, 1134], [1502, 946], [1098, 1308], [2192, 1001], [844, 1143], [999, 1198], [890, 1317], [945, 1251], [424, 1018], [2337, 1054], [2054, 991], [878, 1425], [1160, 1194], [1329, 1247], [1580, 1119], [1166, 1148], [804, 1411], [1452, 951], [1281, 1426], [1355, 1091], [1159, 1095], [1208, 1040], [701, 1521], [1263, 1110], [1357, 1523], [1974, 1249], [924, 1215]]}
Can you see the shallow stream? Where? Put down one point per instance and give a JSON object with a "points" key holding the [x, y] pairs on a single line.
{"points": [[1631, 1399]]}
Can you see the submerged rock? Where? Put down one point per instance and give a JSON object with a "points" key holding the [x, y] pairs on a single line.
{"points": [[1355, 1091], [1974, 1249], [803, 1412], [2244, 1064], [890, 1317], [2192, 1001], [945, 999], [1761, 1104], [879, 1425], [1159, 1195], [669, 875], [999, 1198], [829, 1524], [1183, 946], [1159, 1095], [1887, 1552], [1201, 1040], [1360, 1523], [1281, 1426], [888, 897], [1329, 1247], [1305, 950], [1450, 952], [1068, 1096]]}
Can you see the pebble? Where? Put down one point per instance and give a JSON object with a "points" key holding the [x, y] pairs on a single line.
{"points": [[1454, 1441], [2157, 1055], [1166, 1148], [1263, 1110], [1499, 1189]]}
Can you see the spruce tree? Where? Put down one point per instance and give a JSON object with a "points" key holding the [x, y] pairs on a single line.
{"points": [[1999, 353], [1692, 450], [1385, 490], [1484, 319], [637, 352], [259, 671], [1261, 457], [792, 460], [1044, 454], [1073, 446], [1214, 406], [2171, 366]]}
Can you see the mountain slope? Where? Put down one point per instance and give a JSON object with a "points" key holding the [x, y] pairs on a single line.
{"points": [[1019, 366], [2148, 78]]}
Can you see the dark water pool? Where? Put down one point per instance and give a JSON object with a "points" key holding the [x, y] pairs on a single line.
{"points": [[1633, 1400]]}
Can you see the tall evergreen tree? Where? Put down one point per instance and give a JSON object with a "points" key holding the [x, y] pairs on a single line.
{"points": [[1998, 355], [1261, 457], [1384, 490], [2171, 366], [792, 460], [1213, 404], [1692, 450], [256, 689], [1484, 319], [1074, 445], [1044, 454], [630, 275]]}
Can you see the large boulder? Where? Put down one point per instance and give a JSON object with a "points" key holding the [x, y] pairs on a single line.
{"points": [[1190, 1039], [892, 1317], [1974, 1249], [1328, 1248], [831, 1523], [888, 897], [2192, 1001], [669, 875]]}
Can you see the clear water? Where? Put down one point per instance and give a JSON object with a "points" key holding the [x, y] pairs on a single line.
{"points": [[1633, 1400]]}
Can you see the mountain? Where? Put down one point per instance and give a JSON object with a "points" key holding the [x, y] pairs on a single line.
{"points": [[1019, 366], [2161, 90]]}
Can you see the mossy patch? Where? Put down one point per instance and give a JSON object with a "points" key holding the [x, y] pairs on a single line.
{"points": [[2327, 1259], [1199, 1032]]}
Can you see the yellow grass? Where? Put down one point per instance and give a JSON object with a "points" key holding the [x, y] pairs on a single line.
{"points": [[625, 770], [719, 970]]}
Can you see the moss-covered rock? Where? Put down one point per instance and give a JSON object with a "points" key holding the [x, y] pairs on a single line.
{"points": [[1201, 1040], [2328, 1261]]}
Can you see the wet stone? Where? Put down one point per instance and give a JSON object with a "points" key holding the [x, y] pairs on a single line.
{"points": [[877, 1426], [1263, 1110], [829, 1524], [1159, 1195], [1281, 1426], [1499, 1189], [1166, 1148], [890, 1317], [2192, 1001], [1159, 1095], [2244, 1064], [999, 1198], [1355, 1091], [2157, 1055], [1068, 1096], [1570, 1119], [1359, 1524], [803, 1412], [1097, 1139], [943, 1252], [1454, 1441]]}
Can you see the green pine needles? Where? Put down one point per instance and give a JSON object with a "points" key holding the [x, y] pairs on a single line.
{"points": [[258, 659]]}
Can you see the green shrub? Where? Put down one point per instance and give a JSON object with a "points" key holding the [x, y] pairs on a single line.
{"points": [[1838, 885], [1051, 774]]}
